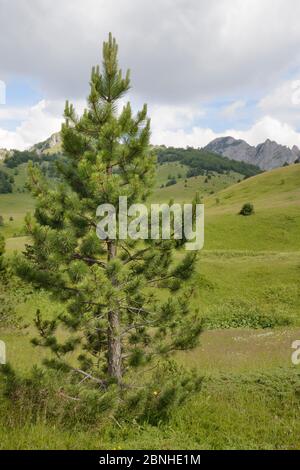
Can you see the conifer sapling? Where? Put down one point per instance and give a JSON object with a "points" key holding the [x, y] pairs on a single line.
{"points": [[124, 302]]}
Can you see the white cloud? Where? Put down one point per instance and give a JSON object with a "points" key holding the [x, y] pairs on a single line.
{"points": [[265, 128], [2, 92], [178, 50], [173, 126], [269, 128], [173, 117], [39, 123], [283, 102], [196, 137], [231, 110], [184, 55], [13, 113]]}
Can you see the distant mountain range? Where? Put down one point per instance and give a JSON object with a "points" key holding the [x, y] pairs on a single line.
{"points": [[266, 156]]}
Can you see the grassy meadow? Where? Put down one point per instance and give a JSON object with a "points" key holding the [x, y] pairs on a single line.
{"points": [[247, 291]]}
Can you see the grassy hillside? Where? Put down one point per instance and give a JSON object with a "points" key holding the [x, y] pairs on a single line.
{"points": [[276, 198], [167, 171], [13, 208], [185, 189], [276, 188], [276, 222]]}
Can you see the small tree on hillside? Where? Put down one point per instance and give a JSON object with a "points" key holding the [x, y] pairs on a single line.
{"points": [[119, 312], [247, 209]]}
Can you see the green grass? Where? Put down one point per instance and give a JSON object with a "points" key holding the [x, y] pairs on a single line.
{"points": [[231, 412], [276, 222], [276, 188], [245, 284], [185, 189], [14, 205], [269, 229], [173, 170]]}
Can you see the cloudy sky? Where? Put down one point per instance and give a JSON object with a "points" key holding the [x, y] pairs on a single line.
{"points": [[206, 68]]}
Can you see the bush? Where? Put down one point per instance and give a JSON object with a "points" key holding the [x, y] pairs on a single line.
{"points": [[6, 182], [247, 209], [170, 387], [45, 395], [171, 182], [48, 396]]}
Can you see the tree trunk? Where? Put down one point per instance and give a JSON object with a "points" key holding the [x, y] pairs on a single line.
{"points": [[113, 332], [111, 250], [114, 347]]}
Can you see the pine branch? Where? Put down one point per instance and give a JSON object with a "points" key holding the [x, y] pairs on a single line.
{"points": [[102, 383], [90, 261]]}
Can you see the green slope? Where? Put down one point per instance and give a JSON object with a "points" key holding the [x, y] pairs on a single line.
{"points": [[276, 222], [185, 189], [275, 188]]}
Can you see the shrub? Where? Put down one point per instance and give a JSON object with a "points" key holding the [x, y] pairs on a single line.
{"points": [[6, 182], [247, 209], [171, 182], [46, 395], [170, 387]]}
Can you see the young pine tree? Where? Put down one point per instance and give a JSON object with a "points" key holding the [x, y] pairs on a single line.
{"points": [[124, 305]]}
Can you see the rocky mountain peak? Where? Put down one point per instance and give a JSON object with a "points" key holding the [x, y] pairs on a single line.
{"points": [[267, 155], [50, 145]]}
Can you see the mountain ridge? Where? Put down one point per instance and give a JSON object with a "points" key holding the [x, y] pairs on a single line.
{"points": [[267, 155]]}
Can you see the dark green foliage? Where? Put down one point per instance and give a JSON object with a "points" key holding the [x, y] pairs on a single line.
{"points": [[6, 182], [171, 182], [18, 157], [170, 387], [247, 209], [46, 395], [46, 162], [12, 293], [200, 161], [115, 320]]}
